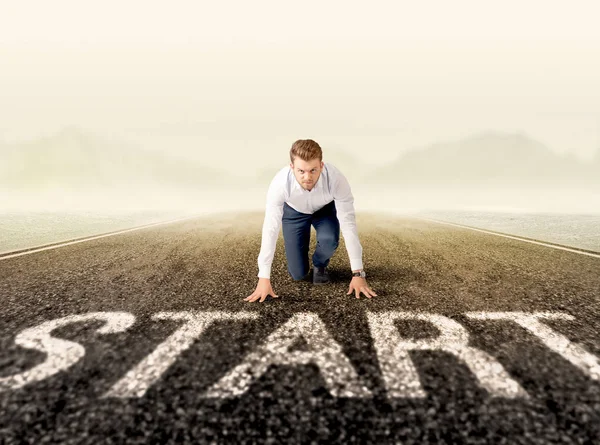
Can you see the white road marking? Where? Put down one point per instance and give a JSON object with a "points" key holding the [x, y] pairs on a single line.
{"points": [[340, 377], [541, 243], [62, 354], [558, 343], [138, 379], [399, 373], [401, 377], [68, 243]]}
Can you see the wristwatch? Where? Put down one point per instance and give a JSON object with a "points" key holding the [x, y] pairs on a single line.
{"points": [[361, 274]]}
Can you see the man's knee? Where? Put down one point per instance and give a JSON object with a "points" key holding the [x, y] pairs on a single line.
{"points": [[329, 240]]}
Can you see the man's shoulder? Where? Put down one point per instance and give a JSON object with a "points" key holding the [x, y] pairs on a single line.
{"points": [[332, 171], [282, 174], [331, 167], [280, 178]]}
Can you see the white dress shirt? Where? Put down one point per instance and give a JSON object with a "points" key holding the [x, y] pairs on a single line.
{"points": [[332, 185]]}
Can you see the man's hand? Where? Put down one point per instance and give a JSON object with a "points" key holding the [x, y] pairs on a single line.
{"points": [[359, 284], [263, 288]]}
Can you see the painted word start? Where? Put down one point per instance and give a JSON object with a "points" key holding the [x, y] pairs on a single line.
{"points": [[398, 371]]}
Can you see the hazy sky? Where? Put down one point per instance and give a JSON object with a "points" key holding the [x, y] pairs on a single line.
{"points": [[373, 78]]}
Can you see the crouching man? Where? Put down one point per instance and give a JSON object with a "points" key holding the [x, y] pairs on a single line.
{"points": [[309, 192]]}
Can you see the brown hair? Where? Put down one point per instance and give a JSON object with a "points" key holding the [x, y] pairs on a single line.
{"points": [[306, 149]]}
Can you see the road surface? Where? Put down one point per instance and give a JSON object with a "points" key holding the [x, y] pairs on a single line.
{"points": [[144, 336]]}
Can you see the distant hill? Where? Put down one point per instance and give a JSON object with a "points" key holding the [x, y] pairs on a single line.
{"points": [[488, 159], [78, 159]]}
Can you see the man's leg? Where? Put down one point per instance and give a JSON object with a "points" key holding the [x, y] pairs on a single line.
{"points": [[327, 227], [296, 236]]}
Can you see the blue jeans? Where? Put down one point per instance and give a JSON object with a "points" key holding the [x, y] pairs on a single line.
{"points": [[296, 235]]}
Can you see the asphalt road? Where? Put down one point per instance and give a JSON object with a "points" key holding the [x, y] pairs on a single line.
{"points": [[145, 337]]}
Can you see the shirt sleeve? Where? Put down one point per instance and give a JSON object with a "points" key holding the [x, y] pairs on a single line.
{"points": [[271, 227], [344, 206]]}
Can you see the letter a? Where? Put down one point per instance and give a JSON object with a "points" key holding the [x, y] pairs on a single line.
{"points": [[337, 371]]}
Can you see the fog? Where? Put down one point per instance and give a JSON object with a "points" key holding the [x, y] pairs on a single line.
{"points": [[252, 198], [193, 107]]}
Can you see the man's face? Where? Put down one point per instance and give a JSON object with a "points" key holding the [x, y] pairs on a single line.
{"points": [[307, 172]]}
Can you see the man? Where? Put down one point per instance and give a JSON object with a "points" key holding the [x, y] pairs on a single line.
{"points": [[309, 192]]}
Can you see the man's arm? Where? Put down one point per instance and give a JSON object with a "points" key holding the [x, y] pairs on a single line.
{"points": [[271, 227], [344, 206]]}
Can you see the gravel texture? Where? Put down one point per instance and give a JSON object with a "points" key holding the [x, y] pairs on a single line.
{"points": [[209, 264]]}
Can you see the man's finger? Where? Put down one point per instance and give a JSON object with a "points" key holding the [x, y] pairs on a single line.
{"points": [[367, 292], [262, 298], [252, 297], [371, 290]]}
